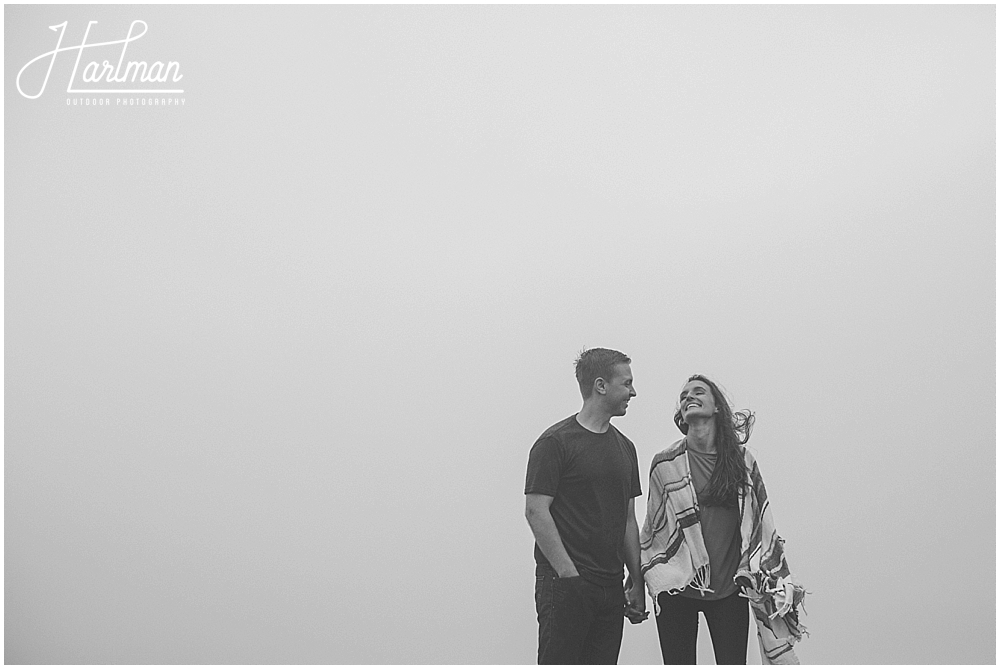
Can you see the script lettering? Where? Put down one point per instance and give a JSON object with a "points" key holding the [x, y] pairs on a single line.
{"points": [[94, 72]]}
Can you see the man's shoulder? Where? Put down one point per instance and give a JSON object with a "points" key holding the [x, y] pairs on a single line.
{"points": [[670, 453], [621, 435], [560, 429]]}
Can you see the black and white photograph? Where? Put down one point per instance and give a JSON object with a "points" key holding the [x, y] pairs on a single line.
{"points": [[500, 334]]}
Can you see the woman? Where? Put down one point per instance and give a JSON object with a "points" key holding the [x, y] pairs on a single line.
{"points": [[708, 543]]}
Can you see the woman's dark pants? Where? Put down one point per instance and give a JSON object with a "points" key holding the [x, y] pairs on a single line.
{"points": [[728, 622], [578, 622]]}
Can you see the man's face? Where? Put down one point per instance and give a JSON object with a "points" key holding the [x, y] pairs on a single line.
{"points": [[619, 390]]}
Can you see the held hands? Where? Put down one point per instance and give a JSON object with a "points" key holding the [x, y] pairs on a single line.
{"points": [[635, 602]]}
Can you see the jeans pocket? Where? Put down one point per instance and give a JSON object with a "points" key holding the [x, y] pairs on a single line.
{"points": [[568, 592], [570, 583]]}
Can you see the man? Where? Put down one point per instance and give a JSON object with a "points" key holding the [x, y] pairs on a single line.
{"points": [[583, 478]]}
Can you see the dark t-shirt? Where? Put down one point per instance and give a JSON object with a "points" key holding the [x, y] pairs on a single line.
{"points": [[720, 529], [591, 477]]}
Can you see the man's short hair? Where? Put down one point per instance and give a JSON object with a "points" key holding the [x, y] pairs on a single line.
{"points": [[596, 363]]}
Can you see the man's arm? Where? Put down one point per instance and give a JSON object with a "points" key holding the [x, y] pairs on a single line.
{"points": [[536, 510], [636, 594]]}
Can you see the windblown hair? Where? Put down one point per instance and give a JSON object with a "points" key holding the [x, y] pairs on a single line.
{"points": [[596, 363], [732, 429]]}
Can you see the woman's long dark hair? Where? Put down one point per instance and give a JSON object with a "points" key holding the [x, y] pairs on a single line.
{"points": [[732, 430]]}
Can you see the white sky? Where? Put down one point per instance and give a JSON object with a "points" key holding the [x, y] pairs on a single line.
{"points": [[274, 360]]}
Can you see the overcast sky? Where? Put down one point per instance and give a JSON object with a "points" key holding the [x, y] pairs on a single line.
{"points": [[274, 359]]}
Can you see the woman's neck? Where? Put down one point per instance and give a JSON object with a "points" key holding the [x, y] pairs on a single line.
{"points": [[701, 436]]}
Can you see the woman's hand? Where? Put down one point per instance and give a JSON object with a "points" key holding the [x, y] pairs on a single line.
{"points": [[783, 600]]}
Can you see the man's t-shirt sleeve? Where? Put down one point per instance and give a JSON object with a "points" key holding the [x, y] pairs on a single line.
{"points": [[636, 485], [544, 468]]}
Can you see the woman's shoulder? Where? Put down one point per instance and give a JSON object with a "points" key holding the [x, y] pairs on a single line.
{"points": [[752, 467], [670, 453], [748, 457]]}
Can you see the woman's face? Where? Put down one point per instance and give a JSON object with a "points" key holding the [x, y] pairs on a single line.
{"points": [[697, 402]]}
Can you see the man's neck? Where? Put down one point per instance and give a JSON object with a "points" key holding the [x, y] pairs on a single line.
{"points": [[701, 436], [594, 418]]}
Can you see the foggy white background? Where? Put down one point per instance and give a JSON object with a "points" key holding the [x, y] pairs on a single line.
{"points": [[274, 360]]}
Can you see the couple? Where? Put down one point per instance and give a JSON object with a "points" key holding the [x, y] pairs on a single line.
{"points": [[708, 543]]}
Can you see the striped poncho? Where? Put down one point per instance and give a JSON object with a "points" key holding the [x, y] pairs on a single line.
{"points": [[674, 554]]}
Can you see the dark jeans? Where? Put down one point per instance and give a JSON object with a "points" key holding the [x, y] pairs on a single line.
{"points": [[728, 622], [578, 622]]}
